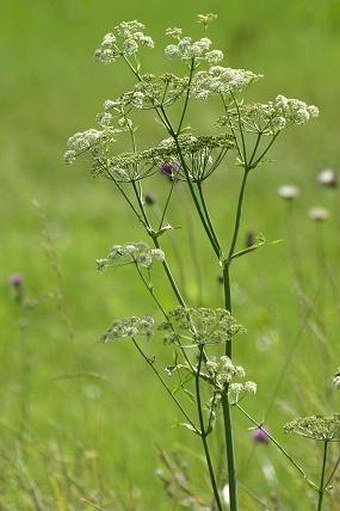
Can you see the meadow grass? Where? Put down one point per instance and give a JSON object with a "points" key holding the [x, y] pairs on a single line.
{"points": [[88, 403]]}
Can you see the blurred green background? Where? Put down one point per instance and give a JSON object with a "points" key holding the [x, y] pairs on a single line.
{"points": [[97, 405]]}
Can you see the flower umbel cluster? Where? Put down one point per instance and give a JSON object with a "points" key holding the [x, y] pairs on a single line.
{"points": [[220, 80], [124, 40], [318, 427], [129, 327], [269, 118], [188, 50], [137, 253], [200, 326], [221, 372]]}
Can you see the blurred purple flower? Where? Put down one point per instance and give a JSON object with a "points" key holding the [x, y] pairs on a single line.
{"points": [[15, 280], [259, 435]]}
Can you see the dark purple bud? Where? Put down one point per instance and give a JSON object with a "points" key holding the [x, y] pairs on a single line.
{"points": [[149, 199], [170, 168], [167, 168], [15, 280], [259, 436], [250, 239]]}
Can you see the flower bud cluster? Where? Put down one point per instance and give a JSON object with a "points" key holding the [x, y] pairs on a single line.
{"points": [[129, 327], [221, 80], [138, 253], [125, 39]]}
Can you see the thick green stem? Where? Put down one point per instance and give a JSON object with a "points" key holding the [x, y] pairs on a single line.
{"points": [[229, 440], [207, 216], [238, 214], [203, 434], [322, 477]]}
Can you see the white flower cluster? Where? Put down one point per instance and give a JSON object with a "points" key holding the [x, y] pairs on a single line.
{"points": [[125, 39], [186, 49], [138, 253], [221, 373], [294, 110], [80, 142], [221, 80], [129, 327], [269, 118]]}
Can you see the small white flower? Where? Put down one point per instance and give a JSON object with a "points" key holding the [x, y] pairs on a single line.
{"points": [[70, 156], [250, 387], [313, 111], [225, 494], [109, 105], [130, 46], [318, 214], [172, 51], [327, 177], [214, 56], [288, 192], [174, 32], [109, 39]]}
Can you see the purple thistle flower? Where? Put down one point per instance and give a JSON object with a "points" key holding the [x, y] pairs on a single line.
{"points": [[166, 168], [15, 280], [170, 168], [259, 435]]}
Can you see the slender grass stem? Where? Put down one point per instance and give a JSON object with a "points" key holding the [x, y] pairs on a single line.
{"points": [[322, 476]]}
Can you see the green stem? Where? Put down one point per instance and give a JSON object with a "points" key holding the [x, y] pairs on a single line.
{"points": [[195, 200], [164, 384], [332, 474], [150, 289], [322, 477], [238, 214], [276, 443], [262, 155], [186, 101], [229, 441], [206, 213], [203, 434], [152, 235], [167, 202], [170, 277]]}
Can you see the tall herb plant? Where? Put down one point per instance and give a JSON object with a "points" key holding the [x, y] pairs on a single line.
{"points": [[201, 337]]}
